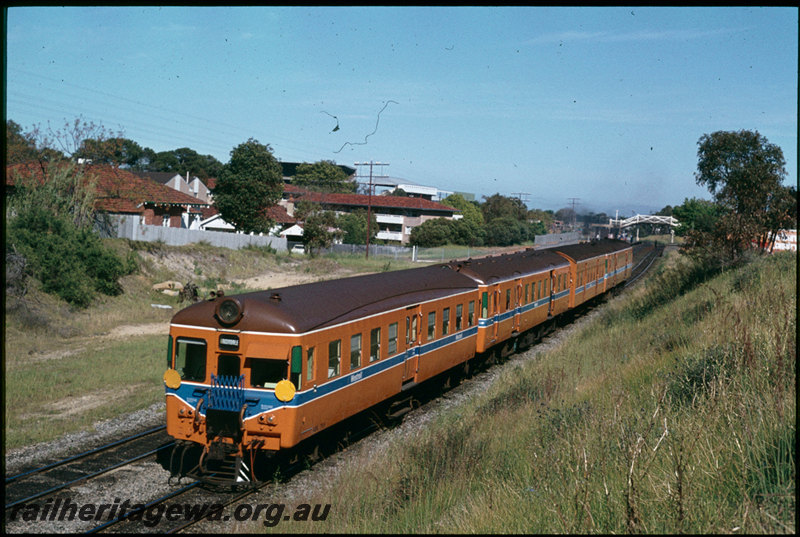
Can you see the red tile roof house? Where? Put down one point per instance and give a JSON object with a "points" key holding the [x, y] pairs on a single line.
{"points": [[396, 215], [122, 193], [192, 185]]}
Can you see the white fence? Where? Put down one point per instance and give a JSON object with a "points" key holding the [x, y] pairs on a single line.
{"points": [[557, 239], [130, 227]]}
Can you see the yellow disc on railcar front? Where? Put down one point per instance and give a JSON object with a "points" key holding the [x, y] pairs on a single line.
{"points": [[172, 379], [284, 391]]}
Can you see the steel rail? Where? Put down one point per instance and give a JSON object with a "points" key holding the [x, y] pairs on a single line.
{"points": [[144, 507], [85, 477], [84, 454]]}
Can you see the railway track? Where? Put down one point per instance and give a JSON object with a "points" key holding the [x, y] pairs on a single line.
{"points": [[647, 254], [40, 482]]}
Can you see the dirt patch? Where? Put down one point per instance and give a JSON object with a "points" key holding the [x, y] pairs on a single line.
{"points": [[80, 404], [137, 330], [274, 280]]}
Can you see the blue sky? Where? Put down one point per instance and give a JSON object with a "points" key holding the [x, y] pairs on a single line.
{"points": [[605, 104]]}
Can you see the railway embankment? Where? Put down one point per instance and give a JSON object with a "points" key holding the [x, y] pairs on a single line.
{"points": [[670, 409]]}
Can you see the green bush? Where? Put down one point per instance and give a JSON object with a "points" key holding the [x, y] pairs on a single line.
{"points": [[71, 262]]}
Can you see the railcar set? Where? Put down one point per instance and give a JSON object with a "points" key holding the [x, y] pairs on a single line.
{"points": [[262, 372]]}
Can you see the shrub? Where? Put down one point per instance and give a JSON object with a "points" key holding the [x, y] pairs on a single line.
{"points": [[71, 262]]}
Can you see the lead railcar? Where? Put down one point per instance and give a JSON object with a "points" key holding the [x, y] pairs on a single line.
{"points": [[263, 371]]}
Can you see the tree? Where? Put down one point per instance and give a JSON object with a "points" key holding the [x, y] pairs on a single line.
{"points": [[469, 229], [782, 214], [666, 211], [20, 147], [72, 137], [319, 226], [185, 160], [544, 217], [696, 216], [498, 206], [431, 233], [113, 151], [468, 233], [248, 186], [744, 172], [323, 176], [506, 231], [354, 227]]}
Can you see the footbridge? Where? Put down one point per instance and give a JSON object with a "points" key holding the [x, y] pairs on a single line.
{"points": [[645, 219]]}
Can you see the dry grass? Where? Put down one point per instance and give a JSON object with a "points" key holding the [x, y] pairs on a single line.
{"points": [[668, 414]]}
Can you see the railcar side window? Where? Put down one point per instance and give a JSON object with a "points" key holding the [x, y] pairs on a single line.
{"points": [[445, 321], [375, 344], [508, 299], [265, 372], [190, 359], [334, 354], [355, 351], [392, 347], [431, 325], [471, 313], [310, 363], [459, 313]]}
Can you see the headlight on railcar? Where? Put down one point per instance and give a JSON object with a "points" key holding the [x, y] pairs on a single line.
{"points": [[284, 391], [229, 311], [172, 379]]}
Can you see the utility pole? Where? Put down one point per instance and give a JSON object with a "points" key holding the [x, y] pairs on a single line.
{"points": [[574, 214], [521, 195], [369, 196]]}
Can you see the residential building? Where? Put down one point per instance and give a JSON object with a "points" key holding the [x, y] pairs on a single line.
{"points": [[120, 193], [192, 185], [396, 215]]}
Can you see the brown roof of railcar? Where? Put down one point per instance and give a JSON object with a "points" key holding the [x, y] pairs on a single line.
{"points": [[303, 308], [588, 250], [488, 270]]}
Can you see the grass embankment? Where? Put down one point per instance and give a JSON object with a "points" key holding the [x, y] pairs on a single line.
{"points": [[672, 411], [65, 372]]}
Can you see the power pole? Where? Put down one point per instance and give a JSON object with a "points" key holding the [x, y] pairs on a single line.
{"points": [[369, 196], [522, 197], [574, 214]]}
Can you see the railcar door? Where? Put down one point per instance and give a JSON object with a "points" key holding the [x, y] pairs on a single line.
{"points": [[517, 304], [551, 296], [495, 312], [411, 364]]}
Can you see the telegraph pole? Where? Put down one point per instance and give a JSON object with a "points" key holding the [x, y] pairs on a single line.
{"points": [[574, 214], [369, 197], [522, 197]]}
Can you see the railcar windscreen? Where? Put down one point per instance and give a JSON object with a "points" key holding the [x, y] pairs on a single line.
{"points": [[266, 373], [190, 359], [228, 365]]}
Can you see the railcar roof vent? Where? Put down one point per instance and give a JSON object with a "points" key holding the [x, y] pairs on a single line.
{"points": [[275, 297]]}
